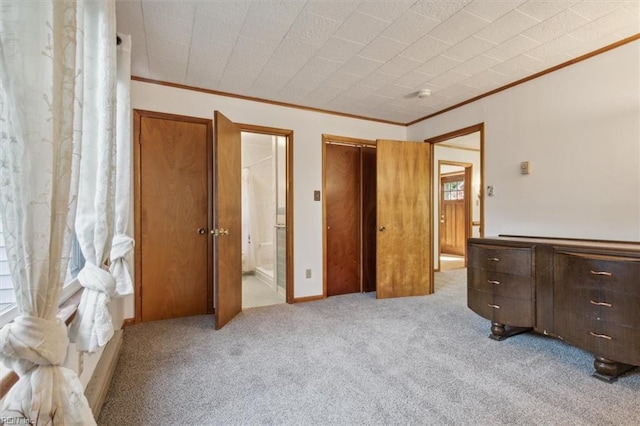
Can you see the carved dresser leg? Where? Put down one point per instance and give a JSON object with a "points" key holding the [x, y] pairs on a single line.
{"points": [[609, 370]]}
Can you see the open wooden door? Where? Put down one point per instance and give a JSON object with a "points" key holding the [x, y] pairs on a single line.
{"points": [[227, 227], [403, 248]]}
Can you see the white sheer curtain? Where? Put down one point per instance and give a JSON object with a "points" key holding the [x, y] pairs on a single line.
{"points": [[41, 46], [122, 244], [92, 326]]}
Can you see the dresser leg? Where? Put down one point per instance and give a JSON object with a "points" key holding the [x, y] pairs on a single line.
{"points": [[501, 331], [608, 370]]}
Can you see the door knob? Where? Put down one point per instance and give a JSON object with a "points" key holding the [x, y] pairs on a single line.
{"points": [[382, 228], [202, 231]]}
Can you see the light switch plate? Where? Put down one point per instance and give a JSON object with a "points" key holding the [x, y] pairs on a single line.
{"points": [[316, 195], [524, 168]]}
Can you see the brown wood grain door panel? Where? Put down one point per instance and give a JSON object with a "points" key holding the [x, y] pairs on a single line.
{"points": [[174, 198], [403, 264], [369, 221], [228, 250], [342, 218]]}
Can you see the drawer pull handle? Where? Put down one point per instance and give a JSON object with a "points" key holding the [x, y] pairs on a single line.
{"points": [[493, 259], [493, 306], [607, 274], [600, 336], [608, 305], [493, 282]]}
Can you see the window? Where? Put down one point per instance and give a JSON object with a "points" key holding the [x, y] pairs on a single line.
{"points": [[8, 307], [453, 190]]}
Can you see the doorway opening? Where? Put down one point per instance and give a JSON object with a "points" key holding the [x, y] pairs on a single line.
{"points": [[459, 209], [263, 219]]}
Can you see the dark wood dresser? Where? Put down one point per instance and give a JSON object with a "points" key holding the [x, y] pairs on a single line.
{"points": [[584, 292]]}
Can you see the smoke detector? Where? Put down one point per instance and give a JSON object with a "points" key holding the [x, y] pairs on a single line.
{"points": [[424, 93]]}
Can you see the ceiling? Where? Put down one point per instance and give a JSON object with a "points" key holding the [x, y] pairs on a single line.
{"points": [[365, 58]]}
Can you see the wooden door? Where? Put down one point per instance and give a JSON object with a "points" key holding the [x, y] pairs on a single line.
{"points": [[369, 222], [403, 252], [453, 216], [228, 216], [173, 195], [342, 200]]}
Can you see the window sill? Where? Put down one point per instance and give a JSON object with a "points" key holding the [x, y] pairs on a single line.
{"points": [[67, 311]]}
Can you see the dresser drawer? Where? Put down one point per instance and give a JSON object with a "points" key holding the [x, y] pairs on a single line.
{"points": [[510, 260], [599, 304], [503, 310], [589, 271], [601, 338], [500, 284]]}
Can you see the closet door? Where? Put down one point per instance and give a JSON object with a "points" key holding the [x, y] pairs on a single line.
{"points": [[403, 248], [342, 200]]}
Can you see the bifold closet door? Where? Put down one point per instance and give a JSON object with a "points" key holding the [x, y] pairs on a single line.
{"points": [[342, 200]]}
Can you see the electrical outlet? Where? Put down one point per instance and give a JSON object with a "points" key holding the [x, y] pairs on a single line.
{"points": [[489, 190], [308, 273]]}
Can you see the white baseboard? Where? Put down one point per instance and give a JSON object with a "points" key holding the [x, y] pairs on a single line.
{"points": [[98, 385]]}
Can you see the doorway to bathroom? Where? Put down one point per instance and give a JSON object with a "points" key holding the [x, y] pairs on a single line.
{"points": [[264, 219]]}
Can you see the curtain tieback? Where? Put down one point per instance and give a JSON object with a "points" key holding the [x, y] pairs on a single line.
{"points": [[98, 279], [29, 341], [120, 246]]}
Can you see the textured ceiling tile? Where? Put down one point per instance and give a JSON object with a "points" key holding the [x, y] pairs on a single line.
{"points": [[512, 48], [247, 59], [377, 80], [313, 29], [486, 80], [519, 65], [282, 11], [382, 49], [385, 10], [414, 80], [553, 52], [425, 48], [458, 27], [410, 27], [439, 10], [595, 44], [344, 81], [448, 79], [628, 31], [507, 27], [595, 9], [338, 11], [129, 21], [556, 26], [361, 28], [277, 66], [166, 27], [318, 69], [163, 48], [542, 10], [238, 84], [492, 10], [469, 48], [633, 7], [183, 10], [360, 66], [438, 65], [167, 69], [339, 50], [393, 91], [399, 66], [221, 22], [207, 63], [476, 65], [295, 53], [264, 30], [605, 25], [357, 92], [324, 94], [460, 92]]}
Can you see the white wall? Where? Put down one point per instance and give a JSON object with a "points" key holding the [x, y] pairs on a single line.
{"points": [[580, 129], [308, 128]]}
